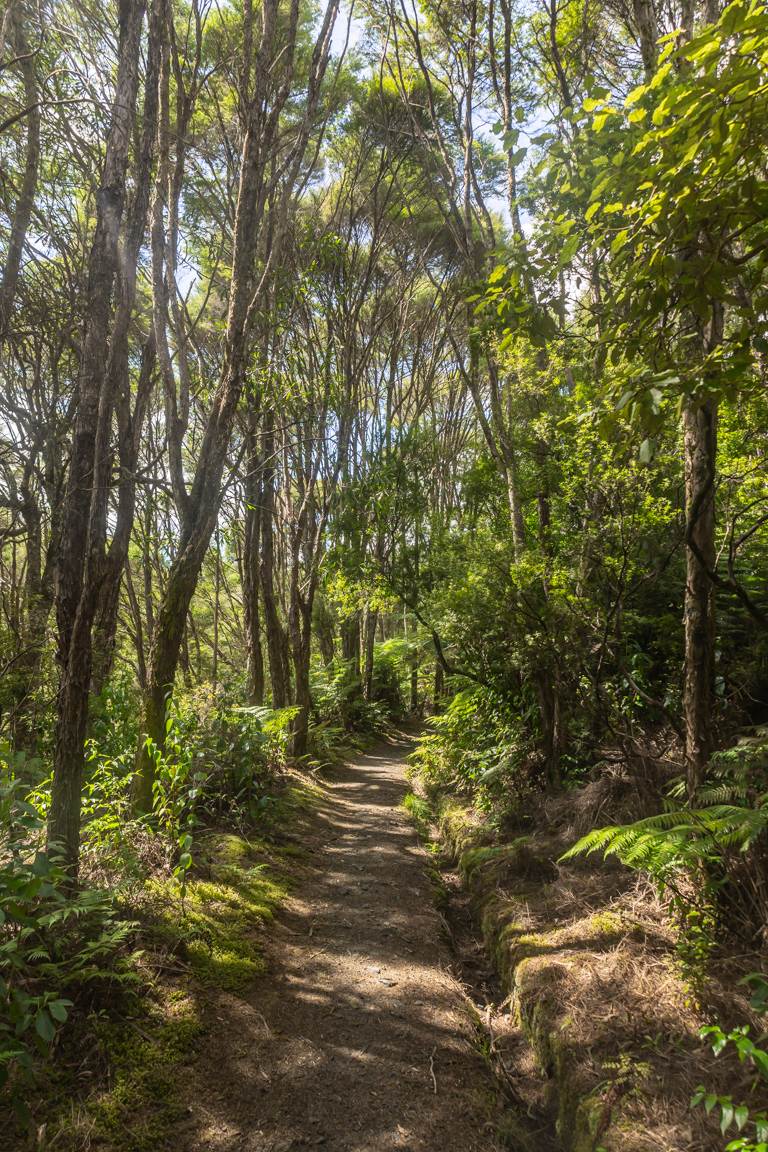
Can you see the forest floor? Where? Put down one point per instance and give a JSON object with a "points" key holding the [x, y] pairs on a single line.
{"points": [[362, 1035]]}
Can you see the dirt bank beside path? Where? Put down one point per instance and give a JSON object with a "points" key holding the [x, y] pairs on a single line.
{"points": [[357, 1038]]}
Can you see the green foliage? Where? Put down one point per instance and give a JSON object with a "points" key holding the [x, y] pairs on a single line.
{"points": [[707, 858], [678, 840], [341, 712], [420, 811], [57, 944], [740, 1116], [477, 748]]}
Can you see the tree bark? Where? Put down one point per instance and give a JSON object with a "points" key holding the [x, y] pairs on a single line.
{"points": [[438, 688], [700, 448], [279, 675], [350, 643], [85, 508], [647, 28], [301, 635], [25, 203], [251, 574], [204, 498], [369, 642], [324, 630]]}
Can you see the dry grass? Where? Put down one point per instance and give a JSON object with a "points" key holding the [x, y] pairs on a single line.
{"points": [[590, 958]]}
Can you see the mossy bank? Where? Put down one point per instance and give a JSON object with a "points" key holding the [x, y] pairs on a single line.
{"points": [[588, 962], [194, 943]]}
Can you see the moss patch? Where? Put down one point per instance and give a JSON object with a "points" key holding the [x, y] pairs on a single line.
{"points": [[214, 926], [207, 940], [589, 968], [140, 1110]]}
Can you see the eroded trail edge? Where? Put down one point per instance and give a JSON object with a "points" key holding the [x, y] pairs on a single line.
{"points": [[357, 1037]]}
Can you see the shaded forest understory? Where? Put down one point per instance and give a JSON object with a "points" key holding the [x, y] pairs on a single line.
{"points": [[368, 369]]}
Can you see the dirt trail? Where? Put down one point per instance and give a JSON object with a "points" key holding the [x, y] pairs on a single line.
{"points": [[358, 1038]]}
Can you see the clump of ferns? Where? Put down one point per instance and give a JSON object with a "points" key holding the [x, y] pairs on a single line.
{"points": [[710, 857]]}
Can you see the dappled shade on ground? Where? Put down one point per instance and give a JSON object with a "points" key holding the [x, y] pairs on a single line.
{"points": [[357, 1038]]}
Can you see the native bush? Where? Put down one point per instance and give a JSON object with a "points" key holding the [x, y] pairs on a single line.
{"points": [[58, 944], [479, 747]]}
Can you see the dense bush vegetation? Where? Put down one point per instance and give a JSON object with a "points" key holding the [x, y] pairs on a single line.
{"points": [[344, 385]]}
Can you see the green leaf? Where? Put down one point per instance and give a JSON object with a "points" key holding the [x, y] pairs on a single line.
{"points": [[44, 1027], [741, 1116], [59, 1009], [619, 241], [726, 1118], [635, 95]]}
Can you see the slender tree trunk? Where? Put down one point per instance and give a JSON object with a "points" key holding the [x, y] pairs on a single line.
{"points": [[131, 411], [369, 634], [700, 447], [38, 601], [413, 705], [130, 429], [301, 651], [438, 688], [161, 671], [551, 726], [324, 630], [25, 203], [251, 578], [350, 643], [84, 520], [216, 607], [648, 33], [276, 646]]}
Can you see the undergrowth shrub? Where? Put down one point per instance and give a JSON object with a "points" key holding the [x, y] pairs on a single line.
{"points": [[57, 945], [478, 748], [340, 709], [710, 857], [749, 1119], [391, 673]]}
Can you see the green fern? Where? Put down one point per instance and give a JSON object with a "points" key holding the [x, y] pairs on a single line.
{"points": [[678, 839]]}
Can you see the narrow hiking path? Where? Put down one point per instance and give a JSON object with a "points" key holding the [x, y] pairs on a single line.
{"points": [[358, 1037]]}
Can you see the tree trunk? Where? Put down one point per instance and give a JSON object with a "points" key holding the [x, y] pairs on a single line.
{"points": [[130, 411], [161, 671], [350, 643], [647, 32], [279, 676], [700, 446], [324, 630], [251, 578], [301, 651], [84, 520], [369, 642], [438, 688], [23, 213], [38, 601], [551, 726], [413, 706], [130, 430]]}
